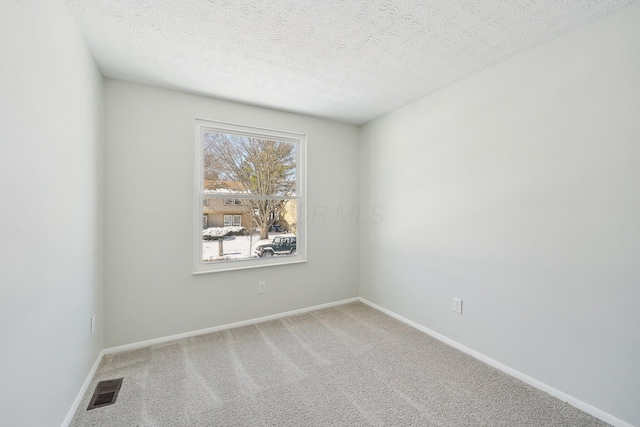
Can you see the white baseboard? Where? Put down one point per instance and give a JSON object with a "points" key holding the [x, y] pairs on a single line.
{"points": [[161, 340], [604, 416], [83, 390]]}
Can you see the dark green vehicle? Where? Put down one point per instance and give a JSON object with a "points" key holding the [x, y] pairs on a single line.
{"points": [[281, 245]]}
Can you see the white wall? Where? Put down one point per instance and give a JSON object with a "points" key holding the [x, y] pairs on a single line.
{"points": [[150, 291], [50, 217], [518, 190]]}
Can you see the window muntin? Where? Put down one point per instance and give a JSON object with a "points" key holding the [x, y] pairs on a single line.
{"points": [[263, 171]]}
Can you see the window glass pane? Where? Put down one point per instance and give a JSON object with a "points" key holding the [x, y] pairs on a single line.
{"points": [[236, 164], [265, 229]]}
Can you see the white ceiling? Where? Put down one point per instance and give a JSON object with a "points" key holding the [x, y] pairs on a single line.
{"points": [[349, 60]]}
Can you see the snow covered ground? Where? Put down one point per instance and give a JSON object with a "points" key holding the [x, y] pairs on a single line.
{"points": [[234, 247]]}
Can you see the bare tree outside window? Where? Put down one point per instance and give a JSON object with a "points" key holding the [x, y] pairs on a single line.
{"points": [[252, 166]]}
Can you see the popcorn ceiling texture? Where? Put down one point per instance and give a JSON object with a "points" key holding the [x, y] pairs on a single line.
{"points": [[349, 365], [346, 60]]}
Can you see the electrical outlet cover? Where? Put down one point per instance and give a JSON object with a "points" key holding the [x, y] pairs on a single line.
{"points": [[457, 305]]}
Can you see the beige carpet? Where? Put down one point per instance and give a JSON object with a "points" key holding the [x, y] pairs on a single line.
{"points": [[344, 366]]}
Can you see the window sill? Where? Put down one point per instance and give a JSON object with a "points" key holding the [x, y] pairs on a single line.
{"points": [[244, 265]]}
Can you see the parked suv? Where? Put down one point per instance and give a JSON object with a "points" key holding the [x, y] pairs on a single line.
{"points": [[281, 245]]}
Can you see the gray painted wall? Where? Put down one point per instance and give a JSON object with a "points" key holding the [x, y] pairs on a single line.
{"points": [[518, 191], [150, 291], [51, 100]]}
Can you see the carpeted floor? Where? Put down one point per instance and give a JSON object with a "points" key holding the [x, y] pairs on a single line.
{"points": [[349, 365]]}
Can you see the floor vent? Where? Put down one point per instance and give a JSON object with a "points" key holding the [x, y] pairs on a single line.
{"points": [[106, 393]]}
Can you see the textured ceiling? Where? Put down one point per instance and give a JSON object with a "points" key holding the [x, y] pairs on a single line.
{"points": [[349, 60]]}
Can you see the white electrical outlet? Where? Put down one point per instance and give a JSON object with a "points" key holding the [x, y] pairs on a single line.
{"points": [[262, 287], [93, 323], [457, 305]]}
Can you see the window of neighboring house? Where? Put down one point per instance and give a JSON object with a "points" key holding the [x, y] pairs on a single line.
{"points": [[205, 221], [232, 220], [261, 173], [234, 202]]}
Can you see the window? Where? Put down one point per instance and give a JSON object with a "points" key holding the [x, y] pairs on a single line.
{"points": [[250, 183], [233, 220]]}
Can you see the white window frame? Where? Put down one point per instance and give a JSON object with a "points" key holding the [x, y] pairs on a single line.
{"points": [[232, 220], [300, 141]]}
